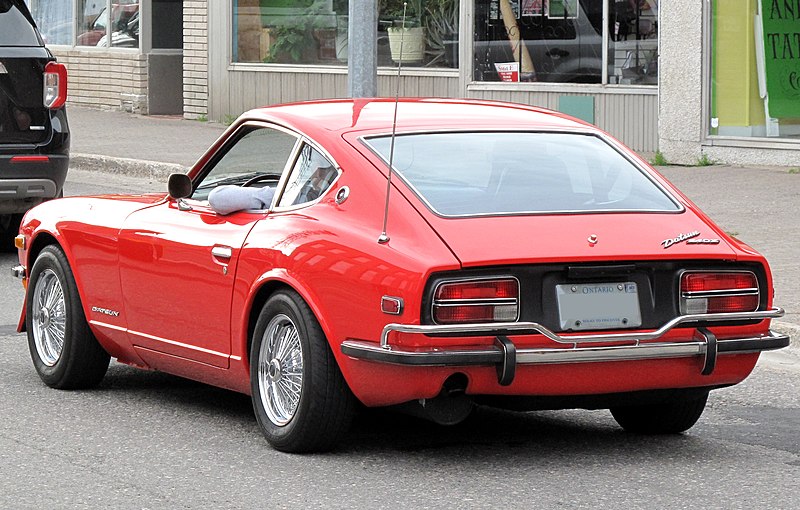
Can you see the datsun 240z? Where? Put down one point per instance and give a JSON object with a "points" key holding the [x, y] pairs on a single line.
{"points": [[511, 257]]}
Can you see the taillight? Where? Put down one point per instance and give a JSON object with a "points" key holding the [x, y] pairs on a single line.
{"points": [[473, 301], [55, 85], [720, 292]]}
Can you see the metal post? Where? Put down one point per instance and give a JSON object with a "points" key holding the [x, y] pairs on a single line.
{"points": [[362, 52]]}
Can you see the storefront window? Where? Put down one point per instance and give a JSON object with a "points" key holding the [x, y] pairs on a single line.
{"points": [[314, 32], [562, 41], [755, 75], [54, 19], [108, 24]]}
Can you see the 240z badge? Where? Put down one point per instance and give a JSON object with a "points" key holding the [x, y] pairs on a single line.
{"points": [[689, 238]]}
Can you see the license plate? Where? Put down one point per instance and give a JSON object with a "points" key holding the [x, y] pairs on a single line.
{"points": [[598, 305]]}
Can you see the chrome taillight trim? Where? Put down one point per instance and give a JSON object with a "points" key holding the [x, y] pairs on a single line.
{"points": [[529, 328], [477, 302], [686, 296]]}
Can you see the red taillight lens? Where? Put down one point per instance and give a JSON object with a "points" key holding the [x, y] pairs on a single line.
{"points": [[464, 302], [723, 292], [55, 85]]}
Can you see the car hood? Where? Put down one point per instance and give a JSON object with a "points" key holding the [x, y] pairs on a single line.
{"points": [[555, 238]]}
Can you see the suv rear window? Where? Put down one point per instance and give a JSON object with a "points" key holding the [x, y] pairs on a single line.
{"points": [[16, 28], [498, 173]]}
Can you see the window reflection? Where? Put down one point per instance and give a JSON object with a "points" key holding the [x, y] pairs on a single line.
{"points": [[97, 18], [562, 41], [314, 32]]}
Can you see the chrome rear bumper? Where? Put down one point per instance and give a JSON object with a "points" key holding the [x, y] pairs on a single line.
{"points": [[506, 356]]}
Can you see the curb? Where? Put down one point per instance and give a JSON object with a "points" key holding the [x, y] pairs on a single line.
{"points": [[787, 328], [125, 166]]}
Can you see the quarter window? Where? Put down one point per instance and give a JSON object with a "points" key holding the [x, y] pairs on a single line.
{"points": [[311, 176]]}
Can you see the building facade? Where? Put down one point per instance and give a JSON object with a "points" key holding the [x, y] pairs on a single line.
{"points": [[713, 80]]}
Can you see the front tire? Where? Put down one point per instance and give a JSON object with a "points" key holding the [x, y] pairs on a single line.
{"points": [[670, 417], [300, 398], [65, 353]]}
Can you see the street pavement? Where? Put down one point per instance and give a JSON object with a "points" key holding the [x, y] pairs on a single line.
{"points": [[758, 205]]}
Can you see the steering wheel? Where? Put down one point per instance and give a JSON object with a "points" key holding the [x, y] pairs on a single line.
{"points": [[259, 178]]}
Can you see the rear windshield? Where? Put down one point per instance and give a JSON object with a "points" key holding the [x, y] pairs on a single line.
{"points": [[496, 173], [15, 27]]}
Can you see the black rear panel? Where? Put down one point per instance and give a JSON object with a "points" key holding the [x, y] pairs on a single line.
{"points": [[23, 116], [658, 286]]}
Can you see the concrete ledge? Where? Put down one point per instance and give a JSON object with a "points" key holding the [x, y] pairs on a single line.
{"points": [[125, 166]]}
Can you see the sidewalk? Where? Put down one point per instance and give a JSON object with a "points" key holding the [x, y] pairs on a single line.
{"points": [[757, 205]]}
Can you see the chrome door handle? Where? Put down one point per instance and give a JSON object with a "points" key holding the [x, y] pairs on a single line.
{"points": [[222, 252]]}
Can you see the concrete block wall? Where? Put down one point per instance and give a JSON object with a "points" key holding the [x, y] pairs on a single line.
{"points": [[195, 59], [105, 79]]}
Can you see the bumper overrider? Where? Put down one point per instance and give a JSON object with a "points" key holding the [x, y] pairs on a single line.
{"points": [[505, 356]]}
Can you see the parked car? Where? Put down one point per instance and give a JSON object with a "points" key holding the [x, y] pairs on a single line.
{"points": [[34, 134], [512, 257]]}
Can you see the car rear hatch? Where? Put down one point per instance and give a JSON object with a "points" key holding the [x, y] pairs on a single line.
{"points": [[24, 120]]}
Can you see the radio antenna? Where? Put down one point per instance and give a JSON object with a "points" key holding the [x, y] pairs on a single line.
{"points": [[384, 237]]}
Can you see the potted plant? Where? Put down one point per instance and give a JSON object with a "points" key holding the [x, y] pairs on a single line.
{"points": [[441, 22], [406, 30]]}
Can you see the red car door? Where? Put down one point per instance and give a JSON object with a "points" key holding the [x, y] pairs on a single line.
{"points": [[177, 270], [178, 258]]}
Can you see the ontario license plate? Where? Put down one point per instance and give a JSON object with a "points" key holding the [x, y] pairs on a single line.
{"points": [[598, 305]]}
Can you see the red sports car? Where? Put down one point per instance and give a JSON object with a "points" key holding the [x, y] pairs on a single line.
{"points": [[473, 253]]}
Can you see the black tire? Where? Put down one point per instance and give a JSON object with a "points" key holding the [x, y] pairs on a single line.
{"points": [[79, 361], [323, 412], [669, 417]]}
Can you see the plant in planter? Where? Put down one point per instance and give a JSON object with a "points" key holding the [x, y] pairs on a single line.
{"points": [[294, 38], [441, 22], [406, 31]]}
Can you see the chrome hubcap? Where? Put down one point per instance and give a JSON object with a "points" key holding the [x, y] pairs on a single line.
{"points": [[280, 370], [49, 317]]}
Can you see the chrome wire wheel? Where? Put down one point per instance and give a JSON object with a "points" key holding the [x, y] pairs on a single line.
{"points": [[280, 370], [49, 317]]}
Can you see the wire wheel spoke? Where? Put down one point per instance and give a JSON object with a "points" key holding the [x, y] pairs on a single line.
{"points": [[280, 370], [49, 317]]}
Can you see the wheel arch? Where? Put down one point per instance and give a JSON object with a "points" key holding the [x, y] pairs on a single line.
{"points": [[265, 287]]}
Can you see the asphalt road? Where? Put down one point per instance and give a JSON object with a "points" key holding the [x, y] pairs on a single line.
{"points": [[146, 440]]}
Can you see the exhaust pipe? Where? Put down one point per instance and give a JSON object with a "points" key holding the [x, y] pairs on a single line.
{"points": [[450, 407]]}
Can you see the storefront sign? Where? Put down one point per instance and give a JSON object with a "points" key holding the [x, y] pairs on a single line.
{"points": [[781, 22], [508, 71]]}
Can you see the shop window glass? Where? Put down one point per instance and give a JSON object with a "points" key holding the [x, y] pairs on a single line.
{"points": [[634, 42], [108, 24], [54, 19], [562, 41], [314, 32], [755, 79]]}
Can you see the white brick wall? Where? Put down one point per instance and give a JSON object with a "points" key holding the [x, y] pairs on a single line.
{"points": [[104, 79], [195, 58]]}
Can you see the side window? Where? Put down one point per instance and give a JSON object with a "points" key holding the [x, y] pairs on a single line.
{"points": [[311, 176], [258, 156]]}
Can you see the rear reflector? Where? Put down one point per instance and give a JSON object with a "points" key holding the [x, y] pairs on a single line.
{"points": [[718, 292], [473, 301], [55, 85], [30, 159]]}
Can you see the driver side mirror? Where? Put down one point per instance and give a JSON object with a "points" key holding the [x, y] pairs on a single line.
{"points": [[179, 186]]}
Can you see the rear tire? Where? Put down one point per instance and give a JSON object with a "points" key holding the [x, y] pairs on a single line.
{"points": [[669, 417], [300, 398], [64, 351]]}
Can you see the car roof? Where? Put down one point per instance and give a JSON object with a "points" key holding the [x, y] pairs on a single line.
{"points": [[413, 114]]}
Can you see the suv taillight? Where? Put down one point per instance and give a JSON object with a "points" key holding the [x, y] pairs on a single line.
{"points": [[718, 292], [473, 301], [55, 85]]}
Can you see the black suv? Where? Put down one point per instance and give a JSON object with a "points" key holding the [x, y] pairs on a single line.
{"points": [[34, 135]]}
